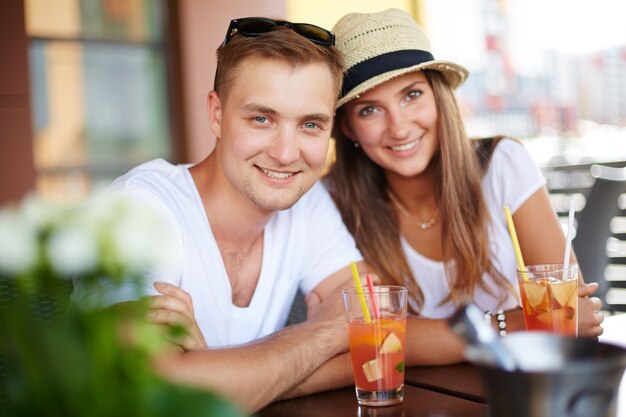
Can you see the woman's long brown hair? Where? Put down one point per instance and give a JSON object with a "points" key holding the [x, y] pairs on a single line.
{"points": [[359, 189]]}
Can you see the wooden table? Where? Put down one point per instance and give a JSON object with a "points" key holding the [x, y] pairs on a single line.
{"points": [[441, 391], [461, 380], [418, 402]]}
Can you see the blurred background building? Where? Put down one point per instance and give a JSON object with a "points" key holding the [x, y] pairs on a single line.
{"points": [[99, 86]]}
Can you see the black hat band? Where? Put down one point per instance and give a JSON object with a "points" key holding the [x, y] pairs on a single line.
{"points": [[381, 64]]}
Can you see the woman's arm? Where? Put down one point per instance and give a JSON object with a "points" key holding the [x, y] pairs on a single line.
{"points": [[428, 342]]}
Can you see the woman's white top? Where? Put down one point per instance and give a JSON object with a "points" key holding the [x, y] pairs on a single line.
{"points": [[512, 177]]}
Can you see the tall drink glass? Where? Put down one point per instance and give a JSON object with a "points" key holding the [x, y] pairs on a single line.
{"points": [[550, 298], [377, 348]]}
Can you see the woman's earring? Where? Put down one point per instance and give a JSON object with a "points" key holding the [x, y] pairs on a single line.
{"points": [[356, 144]]}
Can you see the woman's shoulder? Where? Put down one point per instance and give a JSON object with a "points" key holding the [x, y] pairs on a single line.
{"points": [[497, 147], [512, 174], [513, 152]]}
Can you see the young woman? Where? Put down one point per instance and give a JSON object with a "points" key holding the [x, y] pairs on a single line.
{"points": [[424, 202]]}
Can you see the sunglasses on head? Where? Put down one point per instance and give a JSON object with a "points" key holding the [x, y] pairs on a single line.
{"points": [[257, 26]]}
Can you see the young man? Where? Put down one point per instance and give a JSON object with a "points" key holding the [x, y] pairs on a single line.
{"points": [[251, 223]]}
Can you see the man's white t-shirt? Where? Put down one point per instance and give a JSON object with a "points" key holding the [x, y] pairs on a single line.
{"points": [[301, 246], [512, 177]]}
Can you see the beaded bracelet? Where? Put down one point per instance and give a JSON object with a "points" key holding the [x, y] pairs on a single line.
{"points": [[500, 318]]}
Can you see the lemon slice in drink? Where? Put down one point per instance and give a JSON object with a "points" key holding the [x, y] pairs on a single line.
{"points": [[545, 319], [391, 344], [536, 293], [373, 370], [563, 291]]}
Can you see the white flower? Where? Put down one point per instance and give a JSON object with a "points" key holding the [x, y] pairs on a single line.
{"points": [[141, 237], [18, 242], [40, 213], [73, 251], [108, 234], [102, 208]]}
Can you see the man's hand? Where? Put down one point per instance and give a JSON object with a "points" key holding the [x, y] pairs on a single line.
{"points": [[175, 309], [590, 317], [329, 310]]}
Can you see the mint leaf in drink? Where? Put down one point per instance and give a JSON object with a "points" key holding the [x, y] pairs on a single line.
{"points": [[400, 366]]}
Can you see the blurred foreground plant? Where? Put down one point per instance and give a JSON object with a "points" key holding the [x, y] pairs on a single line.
{"points": [[59, 358]]}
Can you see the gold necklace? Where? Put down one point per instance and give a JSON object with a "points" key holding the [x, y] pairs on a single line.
{"points": [[422, 225]]}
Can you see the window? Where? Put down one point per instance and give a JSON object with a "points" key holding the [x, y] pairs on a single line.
{"points": [[99, 90]]}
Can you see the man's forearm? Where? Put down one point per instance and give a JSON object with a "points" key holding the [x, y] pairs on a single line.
{"points": [[335, 373], [255, 374]]}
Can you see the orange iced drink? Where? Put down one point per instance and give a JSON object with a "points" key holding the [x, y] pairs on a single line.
{"points": [[550, 299], [377, 343], [377, 351]]}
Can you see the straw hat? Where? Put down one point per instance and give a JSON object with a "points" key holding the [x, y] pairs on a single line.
{"points": [[380, 46]]}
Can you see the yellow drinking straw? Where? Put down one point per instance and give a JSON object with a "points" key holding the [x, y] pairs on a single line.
{"points": [[359, 290], [518, 252]]}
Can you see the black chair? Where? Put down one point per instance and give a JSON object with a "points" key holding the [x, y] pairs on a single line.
{"points": [[594, 230]]}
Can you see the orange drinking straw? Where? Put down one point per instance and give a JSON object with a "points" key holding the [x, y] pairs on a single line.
{"points": [[518, 252], [370, 285], [359, 290]]}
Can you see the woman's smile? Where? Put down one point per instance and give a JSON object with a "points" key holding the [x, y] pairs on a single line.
{"points": [[404, 147]]}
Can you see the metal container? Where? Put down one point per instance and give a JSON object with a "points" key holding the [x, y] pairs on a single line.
{"points": [[556, 376]]}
